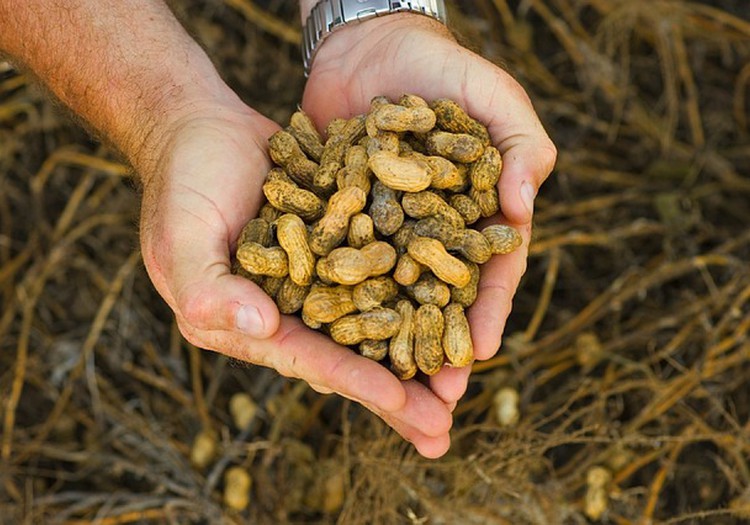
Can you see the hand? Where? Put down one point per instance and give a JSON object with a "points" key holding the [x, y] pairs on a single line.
{"points": [[410, 53], [196, 200]]}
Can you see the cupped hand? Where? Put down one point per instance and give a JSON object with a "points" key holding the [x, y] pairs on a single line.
{"points": [[206, 185], [408, 53]]}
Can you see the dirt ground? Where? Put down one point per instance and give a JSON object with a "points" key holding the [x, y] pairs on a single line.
{"points": [[628, 344]]}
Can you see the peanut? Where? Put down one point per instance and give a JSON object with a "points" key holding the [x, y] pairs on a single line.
{"points": [[259, 260], [431, 253], [466, 295], [292, 235], [374, 292], [466, 207], [325, 304], [331, 229], [487, 201], [485, 172], [400, 173], [503, 239], [459, 147], [289, 198], [269, 213], [409, 100], [372, 349], [272, 285], [401, 346], [256, 230], [355, 171], [237, 483], [291, 296], [451, 117], [348, 265], [377, 324], [286, 152], [469, 243], [407, 270], [392, 117], [400, 239], [457, 344], [385, 210], [334, 152], [430, 290], [308, 138], [361, 231], [428, 334], [430, 204]]}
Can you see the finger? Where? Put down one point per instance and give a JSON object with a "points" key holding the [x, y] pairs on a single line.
{"points": [[424, 421], [450, 384], [296, 351]]}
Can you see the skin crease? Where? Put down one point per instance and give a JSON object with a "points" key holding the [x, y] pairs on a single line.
{"points": [[200, 154]]}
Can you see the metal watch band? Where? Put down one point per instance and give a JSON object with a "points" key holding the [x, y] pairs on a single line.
{"points": [[328, 15]]}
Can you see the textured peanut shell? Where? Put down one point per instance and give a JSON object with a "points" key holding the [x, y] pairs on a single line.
{"points": [[361, 231], [289, 198], [451, 117], [466, 295], [334, 151], [487, 201], [410, 100], [445, 174], [269, 213], [398, 118], [272, 285], [459, 147], [259, 260], [503, 239], [377, 324], [374, 292], [292, 236], [466, 207], [303, 129], [290, 296], [485, 172], [350, 266], [381, 257], [401, 346], [372, 349], [430, 204], [286, 152], [407, 270], [256, 230], [331, 229], [400, 173], [325, 304], [428, 335], [385, 210], [432, 253], [430, 290], [457, 344], [355, 171]]}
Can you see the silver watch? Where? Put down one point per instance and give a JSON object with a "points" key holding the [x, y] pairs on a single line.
{"points": [[328, 15]]}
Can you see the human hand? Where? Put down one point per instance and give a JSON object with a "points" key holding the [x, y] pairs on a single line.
{"points": [[408, 53], [206, 186]]}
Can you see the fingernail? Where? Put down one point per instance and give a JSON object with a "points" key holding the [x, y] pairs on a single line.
{"points": [[250, 321], [527, 196]]}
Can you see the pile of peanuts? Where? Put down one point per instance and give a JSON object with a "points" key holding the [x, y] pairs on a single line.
{"points": [[366, 234]]}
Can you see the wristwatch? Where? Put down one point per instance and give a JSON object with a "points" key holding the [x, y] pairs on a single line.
{"points": [[328, 15]]}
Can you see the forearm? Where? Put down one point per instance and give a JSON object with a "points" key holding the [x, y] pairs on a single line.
{"points": [[126, 67]]}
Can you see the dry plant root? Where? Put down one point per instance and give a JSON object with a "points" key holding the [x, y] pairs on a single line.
{"points": [[367, 235]]}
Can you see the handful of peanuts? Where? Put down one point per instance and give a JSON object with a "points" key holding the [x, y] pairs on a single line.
{"points": [[367, 234]]}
